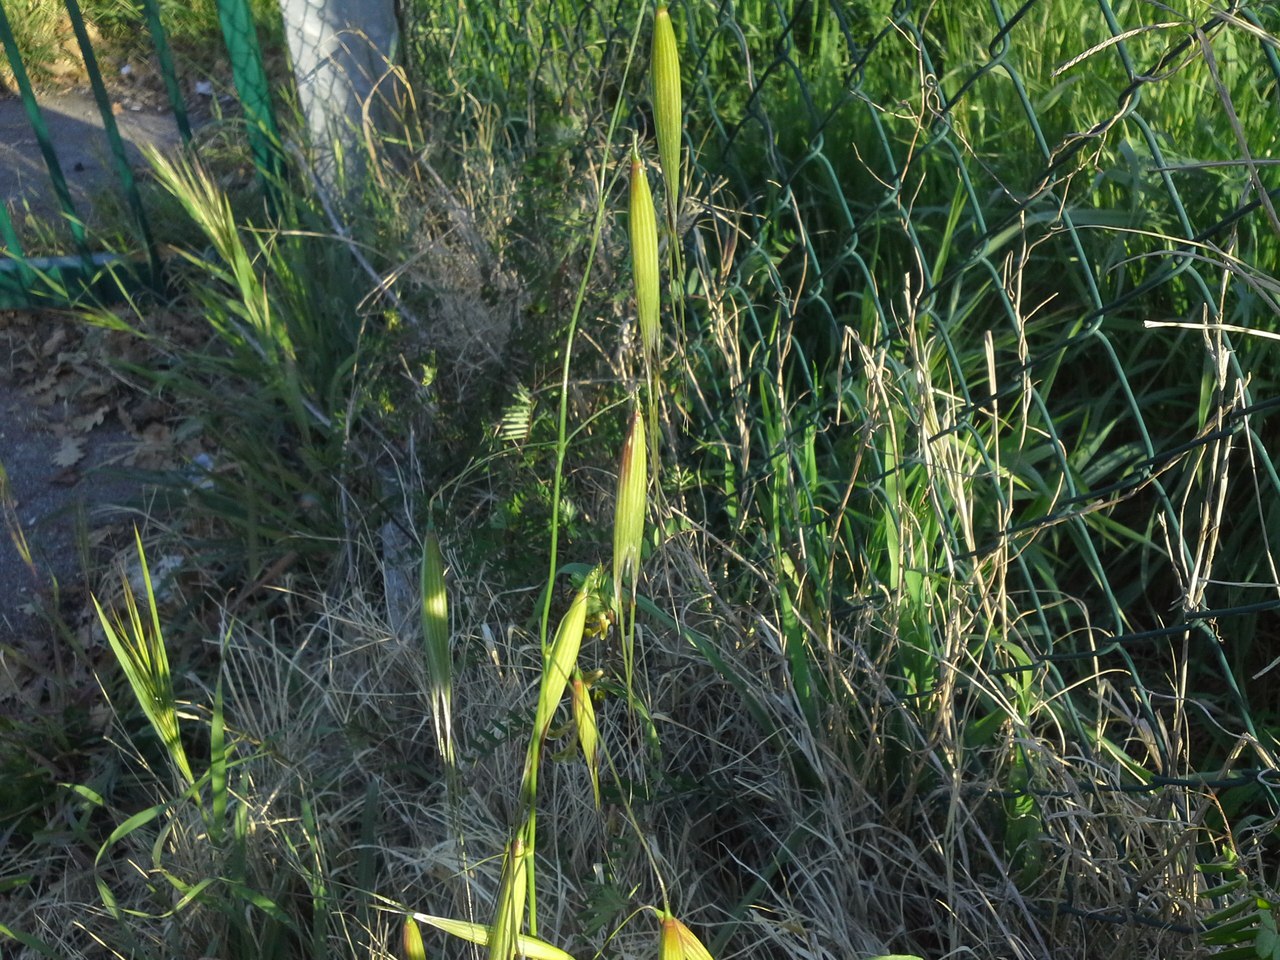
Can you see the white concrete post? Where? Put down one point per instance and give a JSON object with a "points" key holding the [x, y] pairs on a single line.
{"points": [[341, 52]]}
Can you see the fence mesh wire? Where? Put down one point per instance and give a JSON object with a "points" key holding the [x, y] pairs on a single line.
{"points": [[1121, 275], [62, 35]]}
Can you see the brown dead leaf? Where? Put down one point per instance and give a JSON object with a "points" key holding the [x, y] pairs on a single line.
{"points": [[155, 448], [70, 452], [20, 683], [55, 340], [86, 422]]}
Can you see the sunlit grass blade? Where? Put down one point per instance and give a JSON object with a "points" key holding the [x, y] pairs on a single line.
{"points": [[527, 946], [218, 791], [140, 650], [668, 105], [11, 521], [643, 224], [584, 719], [678, 942], [435, 635]]}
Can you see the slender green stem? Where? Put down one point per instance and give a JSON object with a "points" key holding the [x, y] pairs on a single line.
{"points": [[580, 298]]}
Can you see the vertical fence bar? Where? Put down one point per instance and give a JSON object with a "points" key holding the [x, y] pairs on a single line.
{"points": [[112, 130], [255, 95], [36, 119], [165, 57], [14, 261]]}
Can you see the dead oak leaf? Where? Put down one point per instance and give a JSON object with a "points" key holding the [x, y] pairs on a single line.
{"points": [[70, 452], [86, 422]]}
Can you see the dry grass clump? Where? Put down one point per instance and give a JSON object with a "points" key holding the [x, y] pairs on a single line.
{"points": [[773, 837]]}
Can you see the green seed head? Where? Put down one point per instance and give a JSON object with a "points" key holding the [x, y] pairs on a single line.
{"points": [[631, 506], [644, 257], [668, 107]]}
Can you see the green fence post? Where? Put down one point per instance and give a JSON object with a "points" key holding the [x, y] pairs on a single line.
{"points": [[15, 272], [165, 56], [255, 95], [110, 128], [36, 119]]}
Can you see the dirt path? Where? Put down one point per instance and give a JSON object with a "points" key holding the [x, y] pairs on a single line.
{"points": [[60, 487], [58, 434], [75, 130]]}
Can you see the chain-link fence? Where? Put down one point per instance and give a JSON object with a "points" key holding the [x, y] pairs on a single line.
{"points": [[1078, 235], [998, 286]]}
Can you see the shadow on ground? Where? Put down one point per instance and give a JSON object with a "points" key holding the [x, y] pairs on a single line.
{"points": [[58, 489]]}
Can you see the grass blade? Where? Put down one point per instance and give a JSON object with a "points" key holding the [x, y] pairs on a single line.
{"points": [[509, 912], [435, 635], [140, 650], [530, 947]]}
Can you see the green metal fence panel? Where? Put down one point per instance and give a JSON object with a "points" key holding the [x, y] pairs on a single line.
{"points": [[120, 160], [81, 271], [57, 178], [164, 57], [255, 92]]}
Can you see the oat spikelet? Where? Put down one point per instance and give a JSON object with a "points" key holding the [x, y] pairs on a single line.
{"points": [[643, 225], [668, 107], [435, 635], [414, 949], [584, 718], [677, 942], [630, 508]]}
